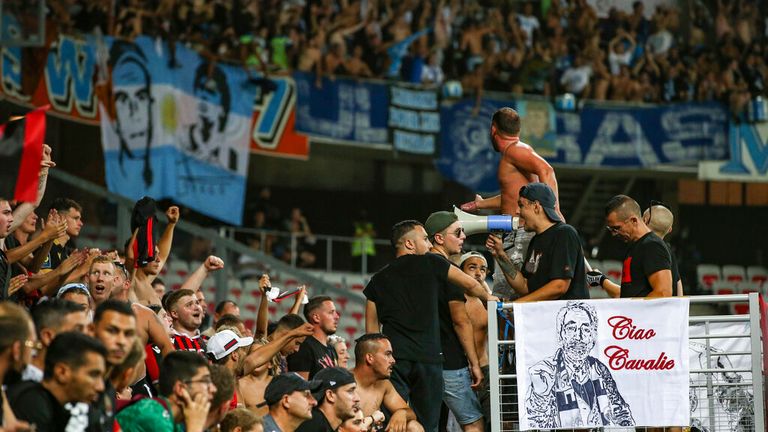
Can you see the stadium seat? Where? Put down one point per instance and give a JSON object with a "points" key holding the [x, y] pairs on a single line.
{"points": [[747, 287], [341, 301], [723, 287], [734, 273], [235, 288], [178, 267], [706, 275], [757, 274], [612, 270]]}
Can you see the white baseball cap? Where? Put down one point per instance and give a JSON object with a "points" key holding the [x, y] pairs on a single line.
{"points": [[225, 342]]}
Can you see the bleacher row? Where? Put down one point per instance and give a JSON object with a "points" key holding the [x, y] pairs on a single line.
{"points": [[243, 284]]}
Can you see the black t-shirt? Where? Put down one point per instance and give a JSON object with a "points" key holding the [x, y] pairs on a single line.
{"points": [[406, 297], [644, 258], [319, 423], [57, 254], [4, 276], [101, 416], [453, 353], [312, 356], [556, 254], [34, 404], [675, 271]]}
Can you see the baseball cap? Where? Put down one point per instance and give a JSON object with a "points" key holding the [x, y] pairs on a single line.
{"points": [[472, 254], [542, 193], [225, 342], [439, 221], [332, 378], [285, 384]]}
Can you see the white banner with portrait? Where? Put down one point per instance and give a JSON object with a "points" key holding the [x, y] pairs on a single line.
{"points": [[596, 363]]}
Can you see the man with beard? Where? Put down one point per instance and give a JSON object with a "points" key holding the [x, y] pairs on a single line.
{"points": [[114, 324], [290, 401], [461, 370], [554, 262], [572, 388], [519, 165], [373, 367], [74, 376], [315, 354], [187, 315], [337, 401]]}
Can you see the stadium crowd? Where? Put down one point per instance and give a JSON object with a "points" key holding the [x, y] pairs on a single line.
{"points": [[711, 51], [92, 340]]}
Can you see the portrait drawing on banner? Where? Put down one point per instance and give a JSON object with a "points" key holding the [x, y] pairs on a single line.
{"points": [[572, 388]]}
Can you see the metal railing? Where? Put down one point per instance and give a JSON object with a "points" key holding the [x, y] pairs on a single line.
{"points": [[98, 197], [326, 246], [727, 398]]}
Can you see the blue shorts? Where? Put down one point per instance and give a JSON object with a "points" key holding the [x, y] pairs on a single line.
{"points": [[459, 396]]}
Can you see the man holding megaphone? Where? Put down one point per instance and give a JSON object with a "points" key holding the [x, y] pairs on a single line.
{"points": [[519, 166]]}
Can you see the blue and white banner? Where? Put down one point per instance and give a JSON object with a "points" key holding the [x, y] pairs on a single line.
{"points": [[602, 363], [414, 119], [342, 109], [748, 156], [609, 136], [178, 132]]}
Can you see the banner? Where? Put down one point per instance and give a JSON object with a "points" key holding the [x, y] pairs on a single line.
{"points": [[585, 364], [21, 151], [274, 118], [342, 109], [748, 156], [721, 401], [597, 136], [414, 119], [180, 133]]}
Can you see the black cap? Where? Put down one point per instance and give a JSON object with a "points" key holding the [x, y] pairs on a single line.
{"points": [[542, 193], [332, 378], [284, 384]]}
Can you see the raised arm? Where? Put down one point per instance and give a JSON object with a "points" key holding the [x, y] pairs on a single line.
{"points": [[263, 354], [511, 273], [299, 298], [262, 320], [24, 209], [468, 284], [54, 228], [166, 240], [195, 280]]}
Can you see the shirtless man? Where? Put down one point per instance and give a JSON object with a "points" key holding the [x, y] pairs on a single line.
{"points": [[373, 367], [519, 165], [475, 265], [145, 274]]}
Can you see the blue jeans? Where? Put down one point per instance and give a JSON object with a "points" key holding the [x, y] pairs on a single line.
{"points": [[459, 396]]}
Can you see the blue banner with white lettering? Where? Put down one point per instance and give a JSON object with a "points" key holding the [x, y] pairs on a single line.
{"points": [[177, 128], [414, 119], [631, 137], [342, 109]]}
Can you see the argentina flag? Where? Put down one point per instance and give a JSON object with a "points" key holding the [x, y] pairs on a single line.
{"points": [[176, 128]]}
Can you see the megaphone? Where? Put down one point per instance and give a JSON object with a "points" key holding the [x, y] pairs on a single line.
{"points": [[474, 224]]}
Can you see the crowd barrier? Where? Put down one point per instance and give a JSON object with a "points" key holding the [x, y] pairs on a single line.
{"points": [[726, 384]]}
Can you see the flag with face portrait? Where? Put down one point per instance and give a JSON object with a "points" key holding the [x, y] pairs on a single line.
{"points": [[602, 363], [176, 126]]}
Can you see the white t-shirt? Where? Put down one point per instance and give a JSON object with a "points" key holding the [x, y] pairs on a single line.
{"points": [[616, 61], [660, 42], [576, 79], [528, 24]]}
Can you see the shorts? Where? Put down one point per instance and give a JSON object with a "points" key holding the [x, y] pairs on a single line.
{"points": [[484, 394], [459, 396], [417, 383]]}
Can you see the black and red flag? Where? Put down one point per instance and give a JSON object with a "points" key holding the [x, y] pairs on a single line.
{"points": [[21, 150]]}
